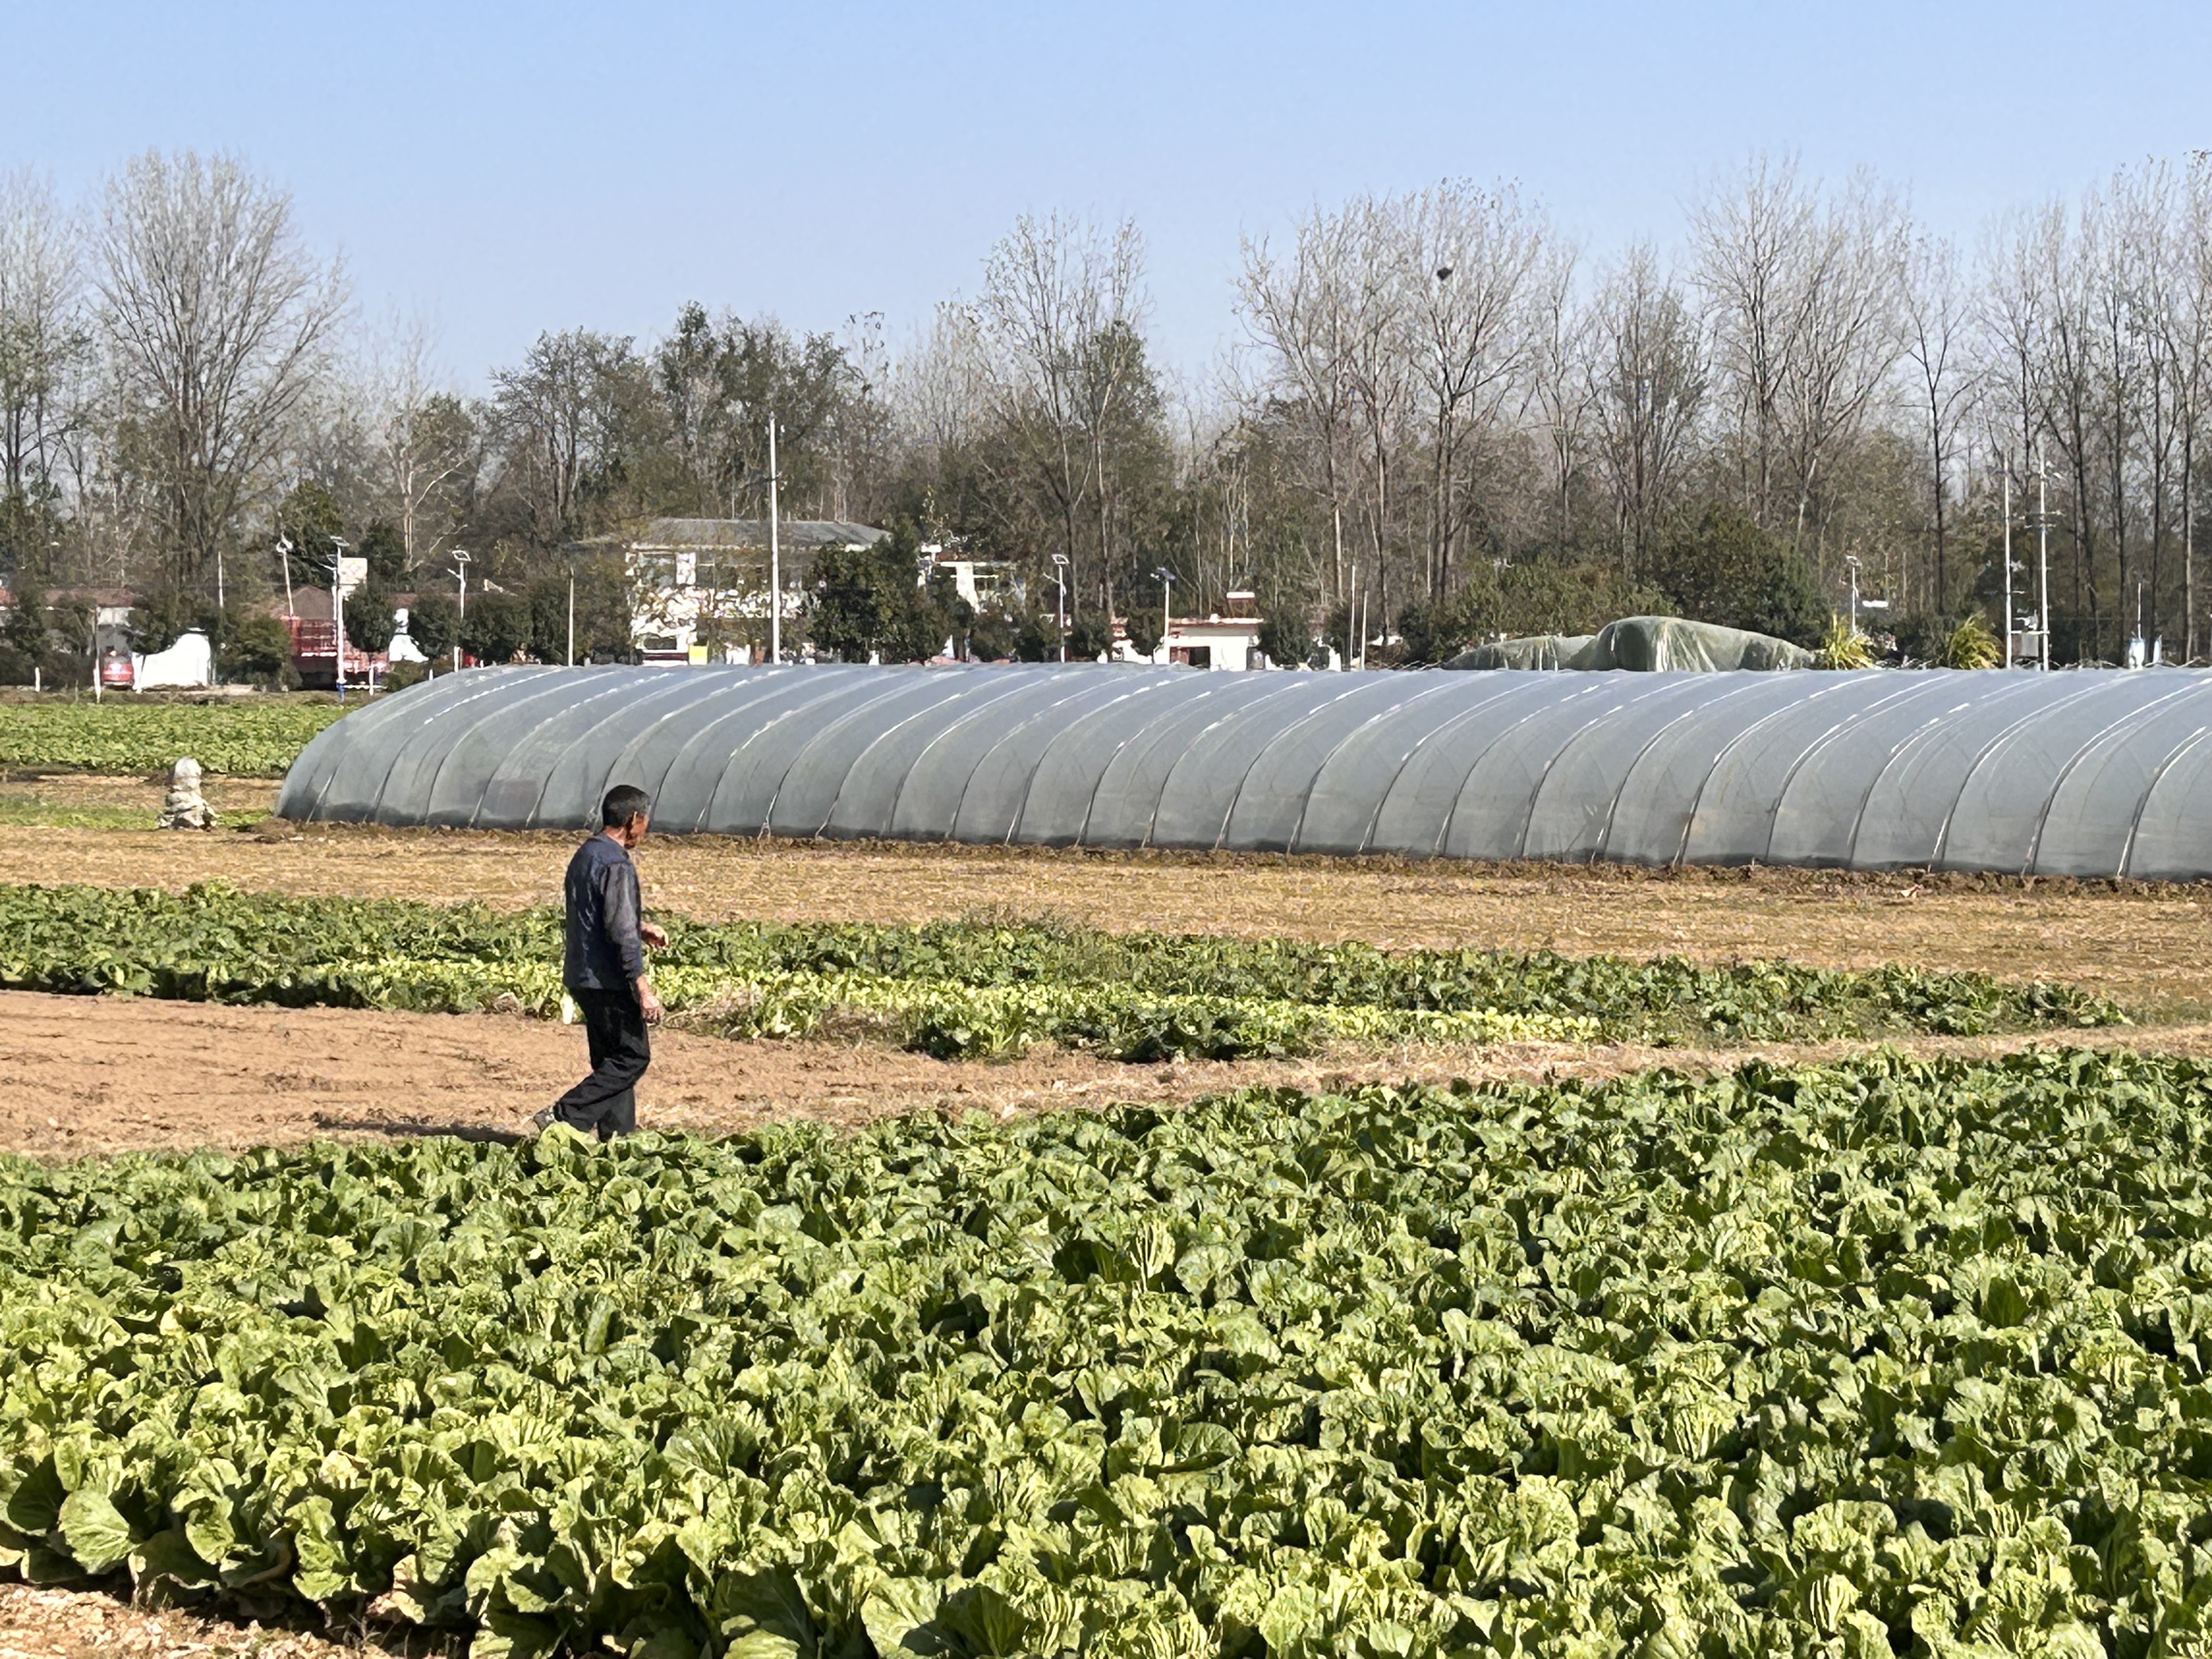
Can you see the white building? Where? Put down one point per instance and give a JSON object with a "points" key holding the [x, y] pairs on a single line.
{"points": [[700, 587], [985, 584], [1227, 638]]}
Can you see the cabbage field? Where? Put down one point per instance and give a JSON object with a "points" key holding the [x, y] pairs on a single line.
{"points": [[1883, 1356], [977, 987], [247, 737]]}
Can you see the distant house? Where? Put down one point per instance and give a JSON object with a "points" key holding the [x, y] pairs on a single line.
{"points": [[1228, 638], [985, 584], [700, 587], [109, 608], [312, 622]]}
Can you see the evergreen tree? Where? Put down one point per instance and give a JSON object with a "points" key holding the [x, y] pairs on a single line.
{"points": [[370, 619]]}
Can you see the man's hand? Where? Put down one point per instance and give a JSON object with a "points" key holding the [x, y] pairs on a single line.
{"points": [[649, 1004], [651, 934]]}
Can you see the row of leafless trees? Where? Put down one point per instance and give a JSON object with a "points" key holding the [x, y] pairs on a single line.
{"points": [[1847, 380], [155, 360], [1429, 384]]}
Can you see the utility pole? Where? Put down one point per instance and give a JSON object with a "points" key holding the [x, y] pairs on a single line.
{"points": [[1852, 560], [572, 615], [1167, 607], [338, 609], [775, 556], [2006, 468], [2042, 550]]}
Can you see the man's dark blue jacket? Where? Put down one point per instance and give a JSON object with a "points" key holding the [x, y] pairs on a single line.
{"points": [[604, 951]]}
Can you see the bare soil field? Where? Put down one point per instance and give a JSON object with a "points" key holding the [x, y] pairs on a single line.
{"points": [[82, 1076], [38, 1622]]}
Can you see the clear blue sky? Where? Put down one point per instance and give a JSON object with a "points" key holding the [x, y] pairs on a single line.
{"points": [[505, 168]]}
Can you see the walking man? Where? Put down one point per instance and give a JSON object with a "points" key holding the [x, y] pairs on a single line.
{"points": [[603, 968]]}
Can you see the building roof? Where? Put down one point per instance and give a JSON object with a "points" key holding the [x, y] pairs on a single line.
{"points": [[745, 535], [107, 597]]}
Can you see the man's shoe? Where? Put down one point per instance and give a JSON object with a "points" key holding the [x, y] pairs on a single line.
{"points": [[542, 1120]]}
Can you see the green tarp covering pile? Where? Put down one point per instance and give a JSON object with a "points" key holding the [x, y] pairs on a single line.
{"points": [[1647, 644]]}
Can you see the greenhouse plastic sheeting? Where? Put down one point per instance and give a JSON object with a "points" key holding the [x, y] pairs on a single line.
{"points": [[2069, 775], [1648, 645]]}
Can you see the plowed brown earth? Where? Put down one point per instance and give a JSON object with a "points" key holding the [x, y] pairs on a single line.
{"points": [[94, 1075], [41, 1623]]}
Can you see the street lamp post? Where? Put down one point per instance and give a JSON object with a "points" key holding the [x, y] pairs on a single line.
{"points": [[775, 556], [1060, 575], [461, 614], [1852, 561], [338, 545], [1167, 597]]}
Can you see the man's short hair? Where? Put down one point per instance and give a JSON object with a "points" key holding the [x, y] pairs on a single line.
{"points": [[623, 802]]}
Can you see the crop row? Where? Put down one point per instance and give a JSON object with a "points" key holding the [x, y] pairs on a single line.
{"points": [[257, 738], [1876, 1358], [972, 987]]}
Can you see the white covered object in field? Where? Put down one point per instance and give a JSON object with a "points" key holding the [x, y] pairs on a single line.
{"points": [[186, 665]]}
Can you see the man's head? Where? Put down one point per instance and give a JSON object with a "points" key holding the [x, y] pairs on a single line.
{"points": [[625, 813]]}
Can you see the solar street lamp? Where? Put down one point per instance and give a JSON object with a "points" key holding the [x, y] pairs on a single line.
{"points": [[1167, 596], [338, 545], [460, 574], [1060, 575]]}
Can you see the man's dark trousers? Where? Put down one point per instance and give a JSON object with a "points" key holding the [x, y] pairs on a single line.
{"points": [[606, 1101]]}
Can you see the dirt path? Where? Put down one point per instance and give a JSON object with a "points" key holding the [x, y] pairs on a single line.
{"points": [[37, 1622], [99, 1075], [2149, 947]]}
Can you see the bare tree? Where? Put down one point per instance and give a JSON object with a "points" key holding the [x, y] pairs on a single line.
{"points": [[424, 437], [1805, 294], [1938, 320], [1379, 370], [43, 338], [1647, 390], [1559, 390], [1471, 291], [1749, 240], [2072, 382], [1062, 303], [1300, 314], [218, 321], [562, 417], [1845, 329], [2184, 314]]}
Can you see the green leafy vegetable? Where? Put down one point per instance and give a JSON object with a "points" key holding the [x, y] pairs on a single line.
{"points": [[255, 739], [1874, 1357], [969, 988]]}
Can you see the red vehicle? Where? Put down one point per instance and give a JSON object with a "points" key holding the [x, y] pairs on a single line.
{"points": [[116, 673], [315, 649]]}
